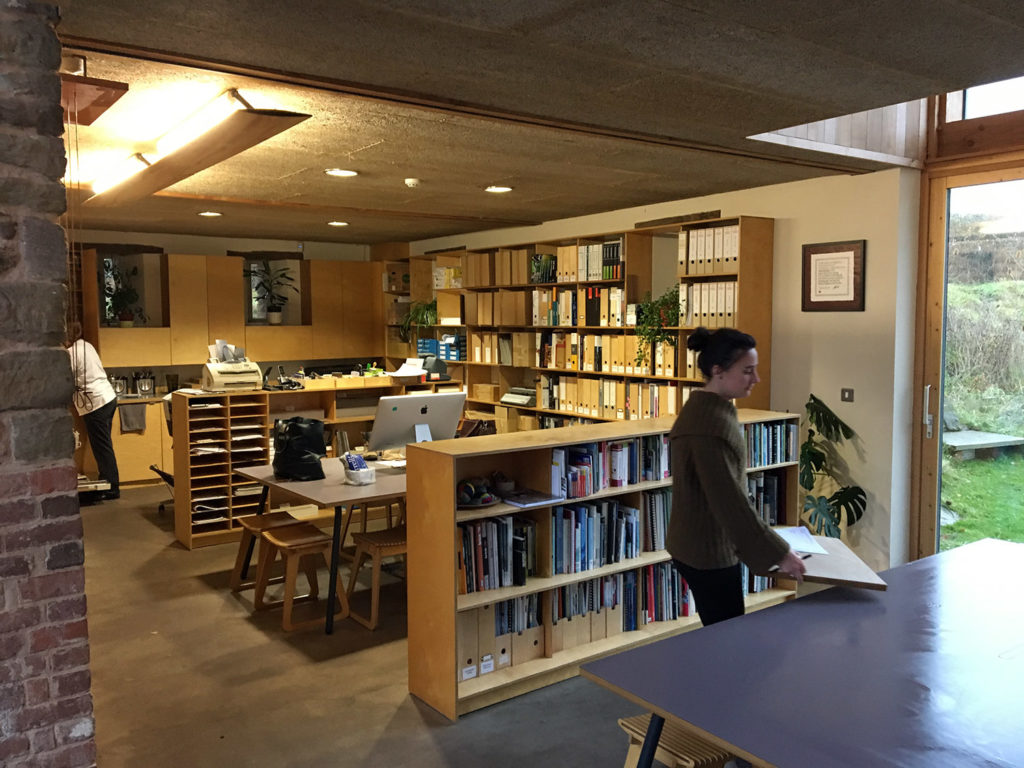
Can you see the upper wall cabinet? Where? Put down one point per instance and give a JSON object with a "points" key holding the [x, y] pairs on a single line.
{"points": [[225, 299], [347, 309], [187, 299]]}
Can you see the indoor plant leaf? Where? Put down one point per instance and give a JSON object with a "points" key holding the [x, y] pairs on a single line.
{"points": [[821, 515], [852, 499]]}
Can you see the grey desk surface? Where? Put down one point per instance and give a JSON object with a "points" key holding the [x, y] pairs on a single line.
{"points": [[332, 490], [928, 673]]}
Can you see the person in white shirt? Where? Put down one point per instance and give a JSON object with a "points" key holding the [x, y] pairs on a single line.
{"points": [[96, 402]]}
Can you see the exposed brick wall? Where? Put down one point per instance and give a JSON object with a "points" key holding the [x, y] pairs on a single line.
{"points": [[46, 715]]}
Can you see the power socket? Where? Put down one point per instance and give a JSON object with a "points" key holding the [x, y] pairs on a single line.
{"points": [[846, 395]]}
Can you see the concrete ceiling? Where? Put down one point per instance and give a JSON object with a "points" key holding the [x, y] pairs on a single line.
{"points": [[580, 106]]}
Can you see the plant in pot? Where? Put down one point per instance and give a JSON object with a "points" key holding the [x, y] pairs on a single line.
{"points": [[819, 469], [421, 314], [657, 322], [123, 298], [270, 284]]}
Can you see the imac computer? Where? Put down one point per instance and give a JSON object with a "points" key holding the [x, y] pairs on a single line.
{"points": [[404, 419]]}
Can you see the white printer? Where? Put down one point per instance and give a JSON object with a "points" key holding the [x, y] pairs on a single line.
{"points": [[229, 376]]}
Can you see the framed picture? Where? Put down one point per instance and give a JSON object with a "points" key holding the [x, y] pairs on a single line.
{"points": [[833, 277]]}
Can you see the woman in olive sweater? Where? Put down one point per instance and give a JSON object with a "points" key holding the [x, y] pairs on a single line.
{"points": [[713, 525]]}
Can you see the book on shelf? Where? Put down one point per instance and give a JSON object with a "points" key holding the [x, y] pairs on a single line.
{"points": [[528, 497]]}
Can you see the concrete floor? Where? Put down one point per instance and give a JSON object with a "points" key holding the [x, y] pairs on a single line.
{"points": [[185, 675]]}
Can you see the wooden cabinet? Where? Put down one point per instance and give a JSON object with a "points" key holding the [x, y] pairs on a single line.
{"points": [[206, 300], [579, 613], [187, 301], [225, 299], [214, 435], [135, 451], [134, 347], [278, 342], [346, 309]]}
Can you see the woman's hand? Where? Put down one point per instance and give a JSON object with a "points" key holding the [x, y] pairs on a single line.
{"points": [[792, 566]]}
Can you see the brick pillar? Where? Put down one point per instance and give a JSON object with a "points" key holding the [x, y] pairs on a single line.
{"points": [[45, 704]]}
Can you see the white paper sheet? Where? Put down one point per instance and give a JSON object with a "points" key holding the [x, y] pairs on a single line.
{"points": [[800, 539]]}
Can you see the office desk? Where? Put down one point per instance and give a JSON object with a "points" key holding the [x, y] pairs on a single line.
{"points": [[928, 673], [332, 491]]}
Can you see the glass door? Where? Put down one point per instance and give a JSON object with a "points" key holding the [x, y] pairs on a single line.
{"points": [[971, 427]]}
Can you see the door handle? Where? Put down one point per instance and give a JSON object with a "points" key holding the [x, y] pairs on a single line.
{"points": [[928, 420]]}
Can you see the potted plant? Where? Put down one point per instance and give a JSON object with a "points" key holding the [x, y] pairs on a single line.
{"points": [[421, 314], [657, 321], [818, 455], [270, 284], [123, 298]]}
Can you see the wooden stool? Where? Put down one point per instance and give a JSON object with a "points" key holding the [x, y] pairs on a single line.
{"points": [[677, 748], [293, 543], [377, 545], [253, 527], [364, 510]]}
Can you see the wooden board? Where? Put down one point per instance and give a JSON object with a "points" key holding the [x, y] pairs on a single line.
{"points": [[840, 567]]}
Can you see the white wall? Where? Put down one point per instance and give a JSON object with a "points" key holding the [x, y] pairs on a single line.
{"points": [[820, 352], [218, 246]]}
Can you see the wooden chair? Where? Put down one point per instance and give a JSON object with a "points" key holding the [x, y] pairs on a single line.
{"points": [[296, 544], [677, 748], [376, 545], [253, 527]]}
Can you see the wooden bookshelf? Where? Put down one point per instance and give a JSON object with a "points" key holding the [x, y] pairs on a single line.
{"points": [[528, 324], [442, 621]]}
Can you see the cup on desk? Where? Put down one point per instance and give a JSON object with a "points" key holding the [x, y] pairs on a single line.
{"points": [[360, 476]]}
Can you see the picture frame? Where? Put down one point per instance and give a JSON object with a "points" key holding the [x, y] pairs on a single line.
{"points": [[833, 276]]}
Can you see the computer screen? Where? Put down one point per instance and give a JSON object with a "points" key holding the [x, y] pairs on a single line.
{"points": [[397, 418]]}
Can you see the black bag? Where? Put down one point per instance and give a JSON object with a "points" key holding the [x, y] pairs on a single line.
{"points": [[298, 448]]}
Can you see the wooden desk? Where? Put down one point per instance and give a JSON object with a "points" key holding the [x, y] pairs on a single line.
{"points": [[927, 673], [332, 491]]}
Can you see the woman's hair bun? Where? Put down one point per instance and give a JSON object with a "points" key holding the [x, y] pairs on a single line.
{"points": [[698, 339]]}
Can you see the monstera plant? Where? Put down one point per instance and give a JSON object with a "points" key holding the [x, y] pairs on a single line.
{"points": [[825, 432]]}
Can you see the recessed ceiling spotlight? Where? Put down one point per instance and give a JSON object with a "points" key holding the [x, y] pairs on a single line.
{"points": [[340, 172], [210, 214], [498, 189], [337, 223]]}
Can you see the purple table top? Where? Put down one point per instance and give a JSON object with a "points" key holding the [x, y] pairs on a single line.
{"points": [[928, 673]]}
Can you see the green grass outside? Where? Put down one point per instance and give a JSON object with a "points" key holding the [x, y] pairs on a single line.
{"points": [[988, 495]]}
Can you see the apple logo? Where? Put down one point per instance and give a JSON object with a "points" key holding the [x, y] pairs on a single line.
{"points": [[423, 409]]}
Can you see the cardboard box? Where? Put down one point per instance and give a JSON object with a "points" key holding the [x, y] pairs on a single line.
{"points": [[487, 392], [527, 423], [506, 419]]}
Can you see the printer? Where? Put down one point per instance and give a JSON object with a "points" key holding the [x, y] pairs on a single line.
{"points": [[228, 376]]}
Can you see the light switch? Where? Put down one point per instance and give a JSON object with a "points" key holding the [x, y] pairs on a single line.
{"points": [[846, 395]]}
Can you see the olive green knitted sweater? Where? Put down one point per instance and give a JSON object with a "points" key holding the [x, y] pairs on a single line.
{"points": [[713, 522]]}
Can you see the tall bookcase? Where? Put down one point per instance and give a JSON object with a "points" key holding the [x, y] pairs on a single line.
{"points": [[555, 318], [725, 274], [431, 277], [452, 634]]}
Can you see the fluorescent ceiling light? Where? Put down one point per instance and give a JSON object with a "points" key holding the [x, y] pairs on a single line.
{"points": [[341, 172], [337, 223], [119, 172], [497, 189], [222, 129], [210, 214]]}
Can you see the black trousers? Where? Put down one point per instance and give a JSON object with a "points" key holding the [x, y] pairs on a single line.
{"points": [[718, 592], [98, 424]]}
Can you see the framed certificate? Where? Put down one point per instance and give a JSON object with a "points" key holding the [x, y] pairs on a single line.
{"points": [[833, 277]]}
